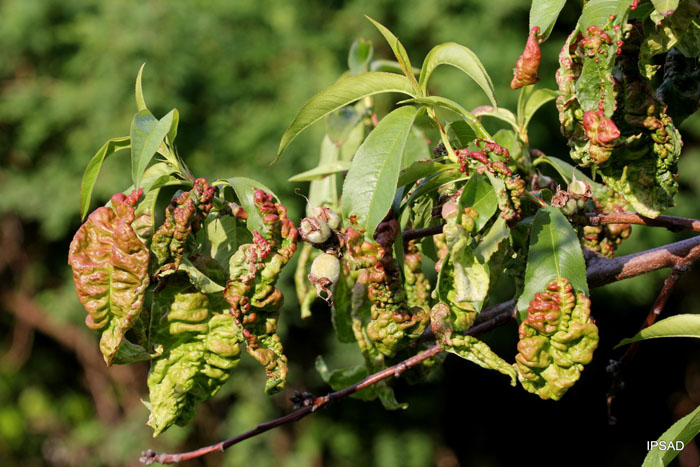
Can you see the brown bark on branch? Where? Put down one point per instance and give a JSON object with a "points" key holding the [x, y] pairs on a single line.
{"points": [[600, 271], [672, 223]]}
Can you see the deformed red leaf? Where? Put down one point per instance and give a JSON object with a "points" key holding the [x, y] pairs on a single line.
{"points": [[110, 271]]}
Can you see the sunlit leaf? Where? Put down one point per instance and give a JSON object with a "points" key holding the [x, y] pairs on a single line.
{"points": [[685, 325], [368, 191], [344, 92], [554, 253], [92, 171], [462, 58]]}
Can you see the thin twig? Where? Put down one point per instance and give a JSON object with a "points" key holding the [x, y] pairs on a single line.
{"points": [[601, 271], [149, 457], [616, 367], [594, 218], [670, 222]]}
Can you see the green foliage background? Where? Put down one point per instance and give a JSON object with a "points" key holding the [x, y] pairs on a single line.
{"points": [[238, 71]]}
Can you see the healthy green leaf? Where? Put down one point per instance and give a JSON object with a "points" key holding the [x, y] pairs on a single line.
{"points": [[324, 192], [462, 134], [499, 113], [421, 169], [140, 101], [532, 101], [245, 189], [554, 253], [200, 280], [665, 7], [340, 312], [417, 148], [685, 325], [147, 134], [478, 194], [369, 187], [460, 57], [321, 171], [568, 171], [344, 377], [339, 124], [92, 171], [389, 66], [344, 92], [683, 430], [448, 104], [544, 13], [359, 56], [435, 181], [399, 51]]}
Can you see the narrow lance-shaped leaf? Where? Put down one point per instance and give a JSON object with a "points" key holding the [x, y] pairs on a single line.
{"points": [[684, 430], [554, 253], [92, 171], [543, 14], [451, 105], [324, 192], [675, 326], [317, 173], [140, 101], [110, 271], [344, 92], [147, 134], [360, 55], [369, 187], [497, 112], [462, 58], [399, 51], [532, 101]]}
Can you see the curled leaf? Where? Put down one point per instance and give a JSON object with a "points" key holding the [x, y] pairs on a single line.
{"points": [[556, 340], [200, 346], [185, 214], [251, 293], [110, 271], [525, 72]]}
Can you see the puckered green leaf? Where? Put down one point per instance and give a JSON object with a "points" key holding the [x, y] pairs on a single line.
{"points": [[667, 34], [462, 58], [543, 14], [251, 293], [597, 12], [110, 271], [92, 171], [684, 430], [675, 326], [554, 253], [200, 345], [556, 340], [344, 92], [368, 191], [222, 235]]}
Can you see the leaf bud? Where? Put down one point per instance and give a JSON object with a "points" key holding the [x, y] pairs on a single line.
{"points": [[326, 215]]}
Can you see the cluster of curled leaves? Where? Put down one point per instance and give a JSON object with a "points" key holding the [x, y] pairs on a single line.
{"points": [[188, 294], [198, 312]]}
